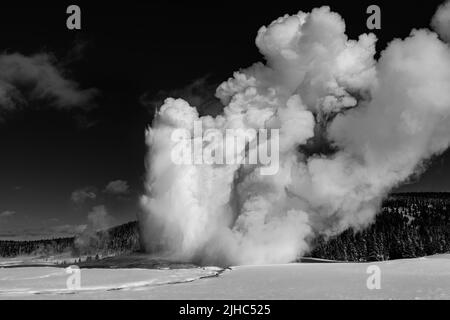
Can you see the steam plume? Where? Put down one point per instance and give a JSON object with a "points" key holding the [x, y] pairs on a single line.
{"points": [[441, 21], [351, 129]]}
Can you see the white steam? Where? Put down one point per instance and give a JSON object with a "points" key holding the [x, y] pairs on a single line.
{"points": [[441, 21], [351, 129]]}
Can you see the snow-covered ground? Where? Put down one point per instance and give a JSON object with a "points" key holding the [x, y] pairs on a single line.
{"points": [[421, 278]]}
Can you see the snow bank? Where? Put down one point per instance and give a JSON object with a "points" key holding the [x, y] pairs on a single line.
{"points": [[421, 278]]}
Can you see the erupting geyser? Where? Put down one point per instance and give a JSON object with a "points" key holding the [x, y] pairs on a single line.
{"points": [[377, 120]]}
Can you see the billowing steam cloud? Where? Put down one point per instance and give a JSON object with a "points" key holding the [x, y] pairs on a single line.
{"points": [[351, 129], [441, 21]]}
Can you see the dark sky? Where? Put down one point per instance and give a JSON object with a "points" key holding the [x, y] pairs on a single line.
{"points": [[126, 50]]}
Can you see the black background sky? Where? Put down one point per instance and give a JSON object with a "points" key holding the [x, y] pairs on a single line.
{"points": [[125, 50]]}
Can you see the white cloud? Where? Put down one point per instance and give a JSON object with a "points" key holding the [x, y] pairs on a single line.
{"points": [[117, 187], [82, 195], [24, 78], [7, 213]]}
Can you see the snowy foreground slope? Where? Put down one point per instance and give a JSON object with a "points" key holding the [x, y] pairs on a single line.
{"points": [[422, 278]]}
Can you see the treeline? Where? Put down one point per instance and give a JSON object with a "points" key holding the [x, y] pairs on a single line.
{"points": [[116, 240], [121, 239], [409, 225], [38, 247]]}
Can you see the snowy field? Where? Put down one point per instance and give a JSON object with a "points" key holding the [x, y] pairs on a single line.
{"points": [[421, 278]]}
